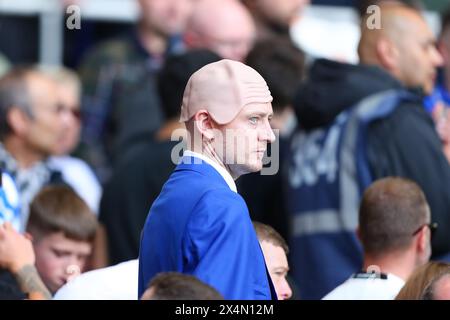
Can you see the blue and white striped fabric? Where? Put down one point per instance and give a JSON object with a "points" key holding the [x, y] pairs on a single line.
{"points": [[9, 201]]}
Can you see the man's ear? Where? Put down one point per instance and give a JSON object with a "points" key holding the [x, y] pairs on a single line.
{"points": [[18, 121], [422, 239], [204, 124], [387, 54]]}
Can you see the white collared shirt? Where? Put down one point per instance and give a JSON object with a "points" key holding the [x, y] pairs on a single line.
{"points": [[221, 170], [118, 282], [370, 288]]}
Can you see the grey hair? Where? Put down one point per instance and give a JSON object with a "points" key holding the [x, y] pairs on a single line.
{"points": [[14, 93], [63, 76]]}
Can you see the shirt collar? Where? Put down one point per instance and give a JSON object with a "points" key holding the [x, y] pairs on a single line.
{"points": [[375, 275], [221, 170]]}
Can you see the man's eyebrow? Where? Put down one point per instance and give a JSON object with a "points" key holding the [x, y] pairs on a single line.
{"points": [[431, 42], [280, 268], [261, 113]]}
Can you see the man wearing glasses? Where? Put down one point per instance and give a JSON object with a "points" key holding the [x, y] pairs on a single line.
{"points": [[32, 127], [395, 231]]}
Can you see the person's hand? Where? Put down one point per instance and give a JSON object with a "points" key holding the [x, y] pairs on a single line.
{"points": [[16, 250]]}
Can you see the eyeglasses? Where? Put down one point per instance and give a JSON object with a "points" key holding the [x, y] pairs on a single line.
{"points": [[433, 227]]}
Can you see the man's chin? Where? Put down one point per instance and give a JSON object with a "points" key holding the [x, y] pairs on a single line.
{"points": [[240, 170], [254, 167]]}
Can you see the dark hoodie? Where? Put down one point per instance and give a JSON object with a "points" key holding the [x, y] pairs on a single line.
{"points": [[404, 144], [333, 87]]}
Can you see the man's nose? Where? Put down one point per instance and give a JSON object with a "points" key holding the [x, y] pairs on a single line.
{"points": [[268, 134], [66, 119], [286, 291], [438, 60]]}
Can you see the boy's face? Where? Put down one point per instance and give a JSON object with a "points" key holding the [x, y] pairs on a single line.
{"points": [[59, 258]]}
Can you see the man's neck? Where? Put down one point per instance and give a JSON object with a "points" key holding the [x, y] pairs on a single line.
{"points": [[24, 156], [400, 265], [208, 151], [153, 42]]}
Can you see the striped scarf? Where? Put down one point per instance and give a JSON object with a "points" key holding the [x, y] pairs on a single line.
{"points": [[29, 181]]}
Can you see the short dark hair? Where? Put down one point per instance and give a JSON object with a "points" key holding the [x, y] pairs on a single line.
{"points": [[174, 76], [178, 286], [391, 210], [58, 208], [265, 232], [14, 93], [281, 64]]}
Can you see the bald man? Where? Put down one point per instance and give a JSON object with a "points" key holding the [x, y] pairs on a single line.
{"points": [[227, 29], [199, 224], [404, 46], [358, 124]]}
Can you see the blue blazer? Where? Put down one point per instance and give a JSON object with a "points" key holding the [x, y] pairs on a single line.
{"points": [[199, 226]]}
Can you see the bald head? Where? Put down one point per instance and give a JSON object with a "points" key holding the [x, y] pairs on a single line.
{"points": [[396, 22], [224, 83], [404, 46], [227, 29]]}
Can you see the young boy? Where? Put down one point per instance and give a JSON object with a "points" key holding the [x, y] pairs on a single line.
{"points": [[62, 228]]}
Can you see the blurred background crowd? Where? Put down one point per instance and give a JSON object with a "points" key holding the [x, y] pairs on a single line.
{"points": [[90, 94]]}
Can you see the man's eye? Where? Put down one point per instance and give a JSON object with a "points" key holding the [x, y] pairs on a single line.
{"points": [[253, 120], [281, 273]]}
